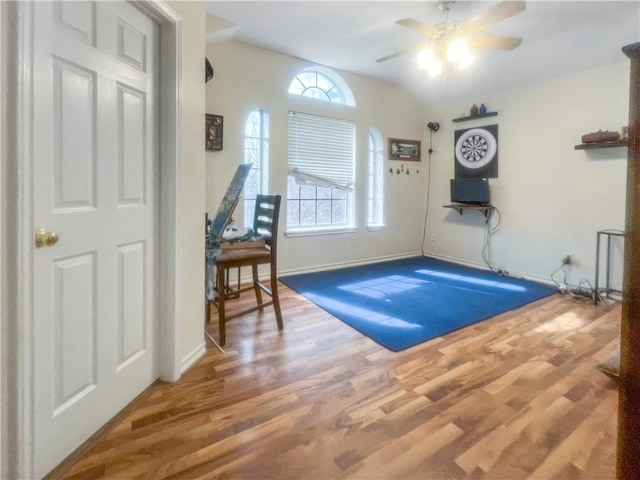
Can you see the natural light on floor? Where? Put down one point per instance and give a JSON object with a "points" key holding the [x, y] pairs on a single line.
{"points": [[384, 286], [475, 281], [568, 322], [363, 314]]}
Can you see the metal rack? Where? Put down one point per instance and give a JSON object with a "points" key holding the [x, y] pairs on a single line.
{"points": [[607, 289]]}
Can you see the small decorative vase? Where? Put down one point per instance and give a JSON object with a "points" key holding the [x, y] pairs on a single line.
{"points": [[482, 110], [474, 110]]}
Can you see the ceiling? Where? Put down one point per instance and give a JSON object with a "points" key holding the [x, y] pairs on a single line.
{"points": [[559, 38]]}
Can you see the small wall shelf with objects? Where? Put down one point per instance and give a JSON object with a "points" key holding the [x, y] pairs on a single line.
{"points": [[590, 146], [474, 117], [604, 139], [461, 207]]}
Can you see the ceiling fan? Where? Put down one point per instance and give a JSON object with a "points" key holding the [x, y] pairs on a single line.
{"points": [[451, 39]]}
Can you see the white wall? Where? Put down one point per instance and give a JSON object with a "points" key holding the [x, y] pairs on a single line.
{"points": [[552, 197], [191, 188], [247, 78]]}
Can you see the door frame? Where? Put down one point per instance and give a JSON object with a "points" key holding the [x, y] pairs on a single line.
{"points": [[17, 223]]}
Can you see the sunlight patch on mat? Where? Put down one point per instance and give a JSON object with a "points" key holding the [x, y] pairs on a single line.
{"points": [[384, 286], [474, 281], [362, 314]]}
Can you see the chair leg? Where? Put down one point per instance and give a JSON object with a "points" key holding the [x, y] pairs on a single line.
{"points": [[276, 298], [222, 293], [256, 286]]}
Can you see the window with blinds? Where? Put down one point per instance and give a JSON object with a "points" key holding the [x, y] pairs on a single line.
{"points": [[321, 171]]}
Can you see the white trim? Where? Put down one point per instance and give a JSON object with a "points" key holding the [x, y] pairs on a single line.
{"points": [[307, 232], [171, 38], [193, 357], [3, 71], [334, 266], [17, 244], [483, 266]]}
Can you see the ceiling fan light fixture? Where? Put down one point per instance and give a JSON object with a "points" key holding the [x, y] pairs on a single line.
{"points": [[457, 50], [465, 61], [448, 38], [434, 68], [425, 57], [427, 60]]}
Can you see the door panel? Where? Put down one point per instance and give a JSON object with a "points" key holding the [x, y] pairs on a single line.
{"points": [[131, 142], [74, 119], [131, 306], [74, 315], [95, 174]]}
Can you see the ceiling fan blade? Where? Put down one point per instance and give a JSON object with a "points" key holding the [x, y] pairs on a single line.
{"points": [[493, 15], [494, 41], [419, 27], [406, 51]]}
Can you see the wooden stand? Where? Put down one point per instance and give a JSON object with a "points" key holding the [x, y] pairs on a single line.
{"points": [[628, 449]]}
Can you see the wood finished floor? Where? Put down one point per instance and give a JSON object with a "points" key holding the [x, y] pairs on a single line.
{"points": [[514, 397]]}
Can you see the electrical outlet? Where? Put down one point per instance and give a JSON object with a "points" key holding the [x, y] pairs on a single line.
{"points": [[566, 260], [353, 240], [433, 238]]}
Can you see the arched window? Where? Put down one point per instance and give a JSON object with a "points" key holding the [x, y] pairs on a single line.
{"points": [[256, 152], [321, 157], [375, 190], [322, 84]]}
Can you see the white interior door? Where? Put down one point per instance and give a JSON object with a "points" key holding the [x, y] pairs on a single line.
{"points": [[95, 171]]}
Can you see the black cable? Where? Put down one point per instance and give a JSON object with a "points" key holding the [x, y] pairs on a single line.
{"points": [[579, 292], [486, 247], [561, 286], [426, 213]]}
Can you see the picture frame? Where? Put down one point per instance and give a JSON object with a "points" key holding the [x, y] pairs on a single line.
{"points": [[406, 150], [213, 132]]}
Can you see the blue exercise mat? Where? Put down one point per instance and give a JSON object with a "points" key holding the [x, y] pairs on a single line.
{"points": [[405, 302]]}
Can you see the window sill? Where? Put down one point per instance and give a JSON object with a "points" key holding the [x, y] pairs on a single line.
{"points": [[376, 228], [307, 232]]}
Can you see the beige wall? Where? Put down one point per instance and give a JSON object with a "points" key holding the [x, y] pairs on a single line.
{"points": [[552, 197], [191, 189], [247, 78]]}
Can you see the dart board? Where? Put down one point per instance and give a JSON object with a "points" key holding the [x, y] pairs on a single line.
{"points": [[476, 152]]}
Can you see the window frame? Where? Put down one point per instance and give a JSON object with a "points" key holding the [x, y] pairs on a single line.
{"points": [[337, 82], [263, 162], [375, 180]]}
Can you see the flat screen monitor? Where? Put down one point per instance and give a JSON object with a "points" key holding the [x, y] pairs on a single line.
{"points": [[473, 191]]}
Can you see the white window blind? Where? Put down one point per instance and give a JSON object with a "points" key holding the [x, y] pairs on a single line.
{"points": [[321, 148]]}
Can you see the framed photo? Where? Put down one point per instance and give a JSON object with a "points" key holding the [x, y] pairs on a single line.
{"points": [[400, 149], [213, 132]]}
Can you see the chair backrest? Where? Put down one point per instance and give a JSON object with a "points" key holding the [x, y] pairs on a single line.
{"points": [[265, 218]]}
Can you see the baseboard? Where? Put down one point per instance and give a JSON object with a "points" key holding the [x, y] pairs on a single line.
{"points": [[483, 266], [333, 266], [193, 357]]}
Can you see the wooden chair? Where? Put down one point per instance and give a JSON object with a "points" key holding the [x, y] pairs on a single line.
{"points": [[265, 224]]}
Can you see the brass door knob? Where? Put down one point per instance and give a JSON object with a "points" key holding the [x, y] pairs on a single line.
{"points": [[45, 238]]}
